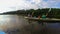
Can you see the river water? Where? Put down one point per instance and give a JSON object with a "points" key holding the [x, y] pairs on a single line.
{"points": [[11, 22]]}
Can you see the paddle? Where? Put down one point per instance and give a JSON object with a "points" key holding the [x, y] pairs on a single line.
{"points": [[48, 12]]}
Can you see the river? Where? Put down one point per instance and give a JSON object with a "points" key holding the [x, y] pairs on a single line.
{"points": [[12, 22]]}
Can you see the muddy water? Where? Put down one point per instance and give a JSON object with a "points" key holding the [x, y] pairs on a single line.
{"points": [[12, 21], [16, 24]]}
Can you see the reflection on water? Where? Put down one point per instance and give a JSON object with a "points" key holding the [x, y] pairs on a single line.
{"points": [[12, 23], [53, 25]]}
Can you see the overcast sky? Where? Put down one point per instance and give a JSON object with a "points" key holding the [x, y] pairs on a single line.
{"points": [[12, 5]]}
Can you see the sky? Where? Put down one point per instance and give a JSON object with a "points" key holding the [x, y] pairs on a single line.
{"points": [[13, 5]]}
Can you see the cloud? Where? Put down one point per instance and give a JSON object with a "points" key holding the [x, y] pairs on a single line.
{"points": [[13, 5]]}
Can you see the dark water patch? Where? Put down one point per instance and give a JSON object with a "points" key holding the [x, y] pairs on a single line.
{"points": [[53, 25]]}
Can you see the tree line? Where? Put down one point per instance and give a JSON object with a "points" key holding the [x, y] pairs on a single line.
{"points": [[54, 13]]}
